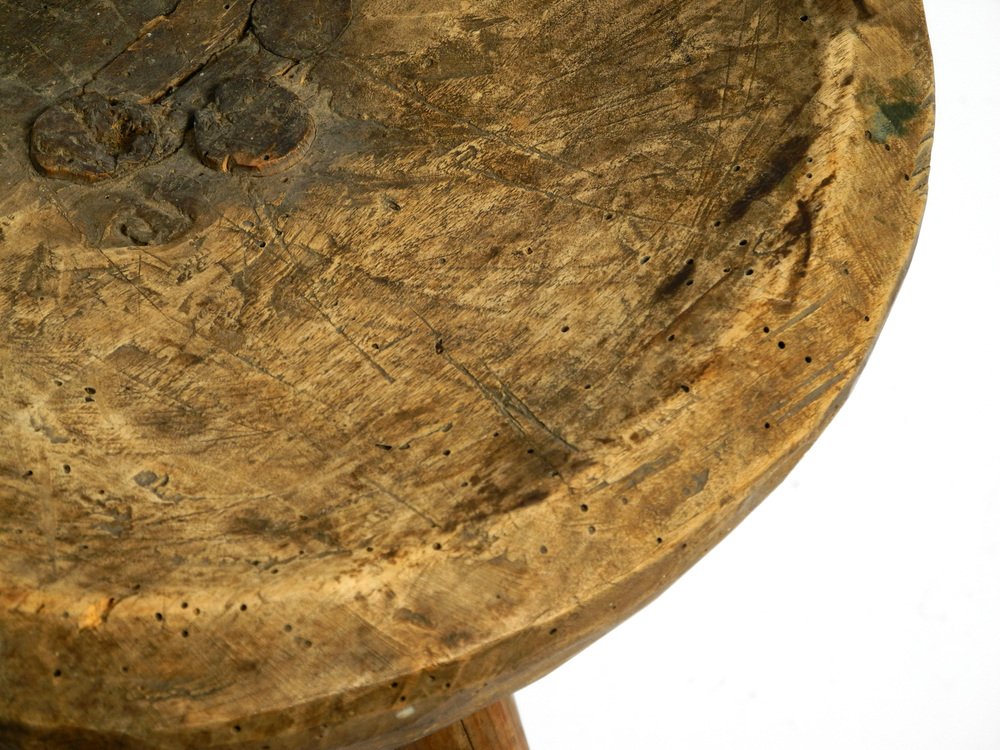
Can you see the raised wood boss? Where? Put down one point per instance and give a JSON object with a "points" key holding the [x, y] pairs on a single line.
{"points": [[359, 365]]}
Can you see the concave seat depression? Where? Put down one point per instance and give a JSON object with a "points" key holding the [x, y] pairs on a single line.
{"points": [[363, 375]]}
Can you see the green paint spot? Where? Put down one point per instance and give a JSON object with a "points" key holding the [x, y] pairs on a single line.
{"points": [[891, 118], [899, 113]]}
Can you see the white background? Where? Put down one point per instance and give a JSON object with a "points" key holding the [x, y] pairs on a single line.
{"points": [[859, 606]]}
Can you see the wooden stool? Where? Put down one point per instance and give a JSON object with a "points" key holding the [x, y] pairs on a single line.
{"points": [[361, 364]]}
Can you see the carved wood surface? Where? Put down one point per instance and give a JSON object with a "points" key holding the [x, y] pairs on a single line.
{"points": [[361, 363]]}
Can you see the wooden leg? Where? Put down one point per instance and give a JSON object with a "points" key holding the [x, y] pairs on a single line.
{"points": [[497, 727]]}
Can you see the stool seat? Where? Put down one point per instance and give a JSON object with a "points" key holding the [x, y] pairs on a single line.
{"points": [[361, 363]]}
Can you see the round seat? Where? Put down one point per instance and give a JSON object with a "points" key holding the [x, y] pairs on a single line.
{"points": [[362, 363]]}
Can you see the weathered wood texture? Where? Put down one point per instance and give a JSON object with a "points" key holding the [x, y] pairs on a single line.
{"points": [[359, 365], [496, 727]]}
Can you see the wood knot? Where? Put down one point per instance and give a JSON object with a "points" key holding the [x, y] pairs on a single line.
{"points": [[299, 29], [90, 138], [254, 124]]}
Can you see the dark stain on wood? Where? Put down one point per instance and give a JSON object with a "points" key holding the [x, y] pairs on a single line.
{"points": [[675, 282], [782, 162], [801, 227], [493, 501], [414, 618], [864, 12], [897, 114]]}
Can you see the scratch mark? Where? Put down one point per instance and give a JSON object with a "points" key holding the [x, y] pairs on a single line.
{"points": [[503, 399], [814, 395], [414, 98], [261, 210], [405, 503], [358, 348]]}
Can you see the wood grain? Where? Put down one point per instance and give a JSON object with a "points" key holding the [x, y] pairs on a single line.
{"points": [[335, 451], [496, 727]]}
